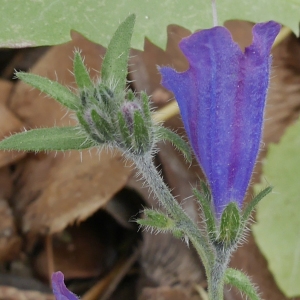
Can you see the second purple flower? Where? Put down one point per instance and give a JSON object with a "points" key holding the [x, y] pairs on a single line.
{"points": [[222, 99]]}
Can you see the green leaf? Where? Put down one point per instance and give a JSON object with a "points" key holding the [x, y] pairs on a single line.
{"points": [[156, 220], [242, 282], [252, 204], [47, 139], [114, 66], [208, 214], [166, 134], [51, 88], [81, 73], [48, 22], [230, 225], [277, 231]]}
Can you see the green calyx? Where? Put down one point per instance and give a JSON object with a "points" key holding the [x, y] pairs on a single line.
{"points": [[230, 226]]}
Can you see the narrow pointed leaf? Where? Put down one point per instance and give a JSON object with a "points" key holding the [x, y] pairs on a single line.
{"points": [[81, 73], [156, 220], [208, 214], [47, 139], [242, 282], [230, 225], [51, 88], [114, 66], [168, 135], [251, 206]]}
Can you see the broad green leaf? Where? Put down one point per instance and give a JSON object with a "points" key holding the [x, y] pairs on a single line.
{"points": [[51, 88], [115, 62], [166, 134], [82, 76], [242, 282], [48, 22], [277, 230], [47, 139]]}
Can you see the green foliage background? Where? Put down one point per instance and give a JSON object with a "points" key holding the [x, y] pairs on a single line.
{"points": [[48, 22], [277, 230]]}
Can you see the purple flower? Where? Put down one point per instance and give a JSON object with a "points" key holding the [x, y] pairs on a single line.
{"points": [[222, 99], [59, 288]]}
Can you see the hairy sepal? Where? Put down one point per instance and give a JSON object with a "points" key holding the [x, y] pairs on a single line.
{"points": [[230, 226], [208, 214]]}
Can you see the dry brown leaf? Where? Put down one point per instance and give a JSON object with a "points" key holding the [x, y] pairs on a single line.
{"points": [[6, 183], [163, 293], [6, 88], [11, 293], [76, 187], [9, 124], [10, 242]]}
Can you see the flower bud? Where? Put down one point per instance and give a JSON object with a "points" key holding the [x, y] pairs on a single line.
{"points": [[128, 109]]}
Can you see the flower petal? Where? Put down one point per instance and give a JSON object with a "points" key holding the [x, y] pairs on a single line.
{"points": [[221, 99], [59, 288]]}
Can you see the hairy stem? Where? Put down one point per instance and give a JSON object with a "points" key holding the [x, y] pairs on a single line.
{"points": [[183, 221], [216, 287]]}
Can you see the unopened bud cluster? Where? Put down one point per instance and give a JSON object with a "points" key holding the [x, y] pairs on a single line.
{"points": [[122, 121]]}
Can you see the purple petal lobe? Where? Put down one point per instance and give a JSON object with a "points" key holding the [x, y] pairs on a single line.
{"points": [[222, 99], [60, 290]]}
